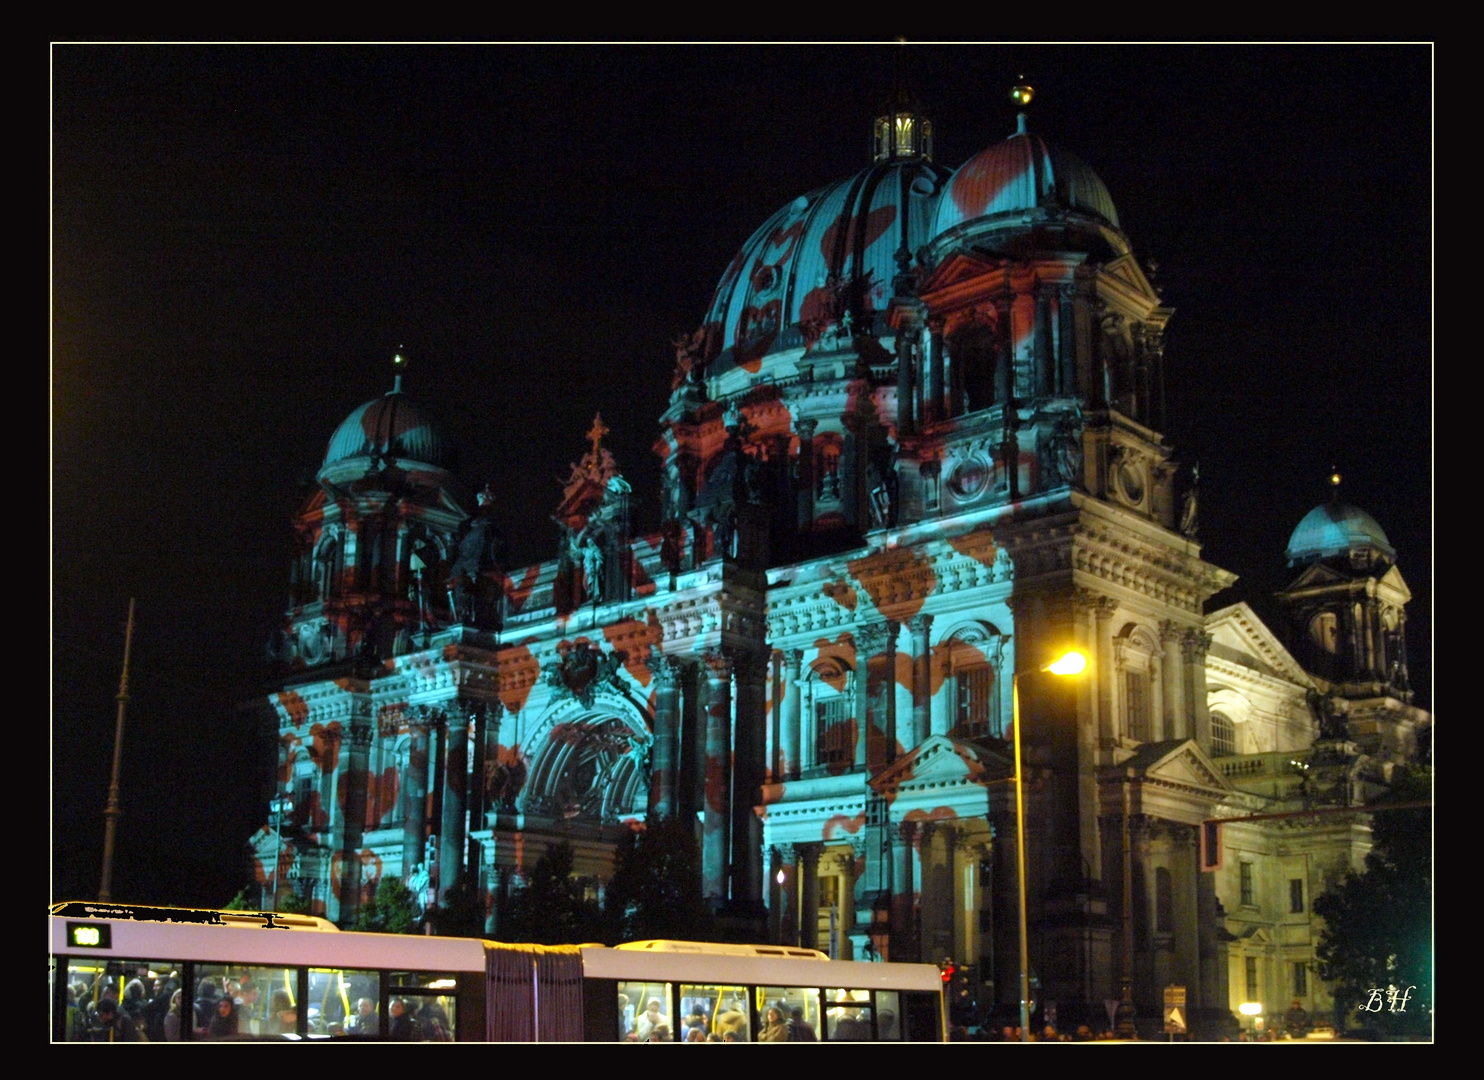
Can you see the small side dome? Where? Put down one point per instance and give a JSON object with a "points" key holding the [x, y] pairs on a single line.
{"points": [[391, 426], [1023, 173], [1336, 528]]}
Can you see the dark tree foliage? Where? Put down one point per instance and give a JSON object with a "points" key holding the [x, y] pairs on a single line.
{"points": [[1377, 929], [393, 910], [239, 902], [294, 904], [655, 891], [462, 912], [551, 909]]}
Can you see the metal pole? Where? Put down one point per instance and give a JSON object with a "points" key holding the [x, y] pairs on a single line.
{"points": [[1025, 963], [1125, 1012], [111, 811]]}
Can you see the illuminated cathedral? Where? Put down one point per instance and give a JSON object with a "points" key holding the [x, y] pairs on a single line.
{"points": [[914, 449]]}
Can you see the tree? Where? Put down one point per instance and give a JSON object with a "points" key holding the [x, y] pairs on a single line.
{"points": [[239, 902], [551, 909], [393, 910], [655, 891], [294, 904], [1377, 931]]}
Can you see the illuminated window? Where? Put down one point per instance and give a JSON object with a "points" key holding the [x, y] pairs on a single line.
{"points": [[1300, 979], [1138, 658], [1223, 736], [834, 732], [1252, 978], [1136, 698], [1248, 892], [974, 696], [975, 655]]}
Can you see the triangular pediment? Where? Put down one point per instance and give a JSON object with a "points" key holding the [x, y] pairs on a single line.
{"points": [[1178, 762], [1126, 270], [1393, 579], [315, 504], [1237, 628], [940, 760], [956, 269], [1319, 574], [265, 843]]}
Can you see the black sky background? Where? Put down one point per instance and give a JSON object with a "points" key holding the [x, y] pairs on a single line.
{"points": [[242, 235]]}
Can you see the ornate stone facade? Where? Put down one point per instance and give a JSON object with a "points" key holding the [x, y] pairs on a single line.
{"points": [[913, 450]]}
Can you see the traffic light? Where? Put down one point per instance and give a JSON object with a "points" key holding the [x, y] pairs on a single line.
{"points": [[946, 969], [1210, 846]]}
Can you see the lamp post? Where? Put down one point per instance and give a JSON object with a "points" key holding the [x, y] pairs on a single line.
{"points": [[277, 808], [1069, 663]]}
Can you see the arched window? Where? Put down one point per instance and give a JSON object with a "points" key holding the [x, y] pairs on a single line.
{"points": [[1223, 736], [830, 710], [1138, 661], [975, 656]]}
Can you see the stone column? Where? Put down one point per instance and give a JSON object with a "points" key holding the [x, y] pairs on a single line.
{"points": [[904, 858], [906, 384], [415, 791], [788, 766], [358, 755], [809, 896], [859, 705], [455, 793], [805, 481], [1089, 728], [921, 626], [1177, 725], [935, 378], [870, 703], [948, 377], [1212, 990], [666, 726], [897, 733], [715, 846], [786, 910], [748, 771], [1193, 647], [1373, 665], [1106, 671]]}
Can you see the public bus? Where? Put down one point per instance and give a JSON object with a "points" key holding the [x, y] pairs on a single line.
{"points": [[191, 975]]}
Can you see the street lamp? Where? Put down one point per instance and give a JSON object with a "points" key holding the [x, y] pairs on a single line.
{"points": [[1071, 662]]}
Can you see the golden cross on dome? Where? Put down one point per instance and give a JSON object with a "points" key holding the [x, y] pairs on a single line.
{"points": [[597, 432]]}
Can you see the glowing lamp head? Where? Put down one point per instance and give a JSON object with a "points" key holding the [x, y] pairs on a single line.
{"points": [[1250, 1008], [1069, 663], [781, 878], [1021, 93]]}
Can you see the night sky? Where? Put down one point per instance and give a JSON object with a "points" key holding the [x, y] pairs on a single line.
{"points": [[242, 237]]}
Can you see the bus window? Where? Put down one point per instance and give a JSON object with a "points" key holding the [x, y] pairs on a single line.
{"points": [[799, 1008], [264, 1001], [119, 1001], [723, 1010], [888, 1010], [849, 1016], [334, 1002], [423, 1006], [643, 1009]]}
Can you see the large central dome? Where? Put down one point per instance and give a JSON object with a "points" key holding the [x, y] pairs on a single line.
{"points": [[826, 253]]}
